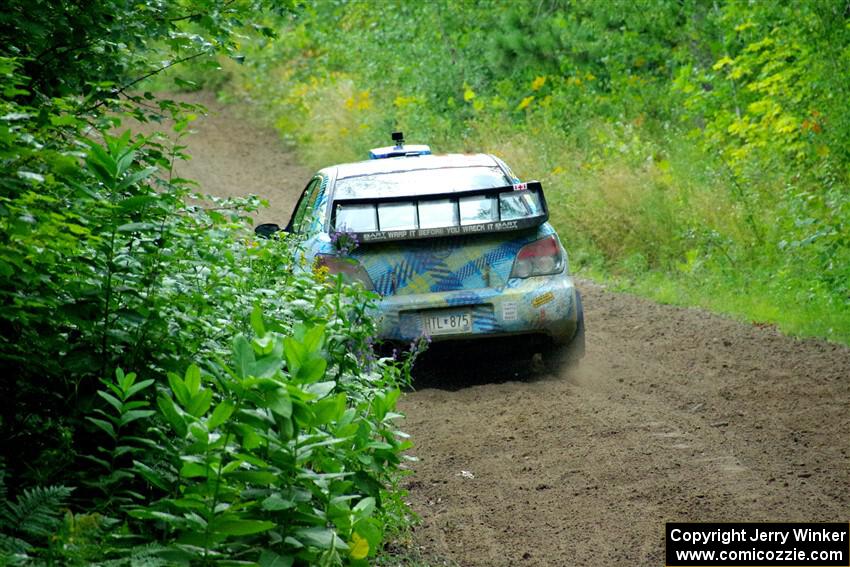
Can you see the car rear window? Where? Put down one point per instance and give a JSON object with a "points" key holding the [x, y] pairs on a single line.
{"points": [[356, 218], [438, 212], [519, 205], [478, 209], [397, 216]]}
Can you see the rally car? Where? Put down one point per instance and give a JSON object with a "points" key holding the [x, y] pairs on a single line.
{"points": [[456, 246]]}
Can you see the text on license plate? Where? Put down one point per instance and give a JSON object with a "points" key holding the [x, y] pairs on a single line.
{"points": [[447, 322]]}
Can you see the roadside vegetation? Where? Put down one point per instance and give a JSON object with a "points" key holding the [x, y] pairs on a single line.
{"points": [[174, 391], [694, 152]]}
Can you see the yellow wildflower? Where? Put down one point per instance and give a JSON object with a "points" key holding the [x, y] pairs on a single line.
{"points": [[538, 82], [364, 103], [525, 102], [359, 547]]}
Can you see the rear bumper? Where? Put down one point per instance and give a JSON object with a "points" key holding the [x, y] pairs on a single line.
{"points": [[542, 305]]}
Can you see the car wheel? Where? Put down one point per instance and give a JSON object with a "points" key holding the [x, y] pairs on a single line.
{"points": [[569, 355]]}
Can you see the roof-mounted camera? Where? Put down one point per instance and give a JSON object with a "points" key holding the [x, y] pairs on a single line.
{"points": [[399, 149]]}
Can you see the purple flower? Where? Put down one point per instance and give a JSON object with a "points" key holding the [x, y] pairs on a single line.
{"points": [[345, 242]]}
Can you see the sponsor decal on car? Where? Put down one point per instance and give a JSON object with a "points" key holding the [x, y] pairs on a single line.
{"points": [[509, 311], [500, 226], [543, 299]]}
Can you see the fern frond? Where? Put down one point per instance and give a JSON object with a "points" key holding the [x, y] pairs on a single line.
{"points": [[3, 489], [149, 555], [12, 546], [38, 510]]}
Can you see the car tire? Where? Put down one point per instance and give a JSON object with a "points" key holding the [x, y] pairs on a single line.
{"points": [[569, 355]]}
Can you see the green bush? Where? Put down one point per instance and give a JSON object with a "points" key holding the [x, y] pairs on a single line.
{"points": [[237, 437], [282, 447], [266, 459]]}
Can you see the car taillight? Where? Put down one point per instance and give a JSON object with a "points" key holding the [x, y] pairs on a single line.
{"points": [[540, 258], [351, 269]]}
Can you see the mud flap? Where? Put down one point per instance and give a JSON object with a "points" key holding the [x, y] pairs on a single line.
{"points": [[559, 357]]}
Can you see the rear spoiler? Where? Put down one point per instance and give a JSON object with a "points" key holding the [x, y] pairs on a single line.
{"points": [[497, 225]]}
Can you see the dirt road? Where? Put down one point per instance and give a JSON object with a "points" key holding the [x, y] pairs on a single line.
{"points": [[675, 415]]}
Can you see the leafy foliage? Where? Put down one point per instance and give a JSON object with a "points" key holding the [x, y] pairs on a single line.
{"points": [[271, 460], [110, 262], [94, 50], [165, 280]]}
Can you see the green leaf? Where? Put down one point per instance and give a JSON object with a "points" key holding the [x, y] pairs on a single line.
{"points": [[269, 558], [192, 379], [134, 415], [392, 397], [220, 414], [314, 339], [275, 503], [65, 120], [124, 380], [136, 227], [329, 409], [172, 414], [145, 514], [105, 464], [267, 366], [305, 449], [111, 400], [254, 477], [178, 387], [200, 403], [237, 527], [152, 476], [199, 432], [279, 402], [312, 369], [323, 538], [243, 356], [136, 203], [136, 388], [134, 178], [295, 354], [101, 163], [364, 508], [192, 502], [250, 438], [104, 425], [321, 389], [193, 470], [257, 321]]}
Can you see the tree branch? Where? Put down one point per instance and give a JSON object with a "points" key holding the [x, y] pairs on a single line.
{"points": [[190, 16], [123, 88]]}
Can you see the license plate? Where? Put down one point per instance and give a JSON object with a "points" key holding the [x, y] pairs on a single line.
{"points": [[446, 322]]}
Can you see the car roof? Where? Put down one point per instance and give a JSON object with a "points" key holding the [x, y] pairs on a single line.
{"points": [[412, 163]]}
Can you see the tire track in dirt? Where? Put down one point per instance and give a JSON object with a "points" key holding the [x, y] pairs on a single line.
{"points": [[676, 414]]}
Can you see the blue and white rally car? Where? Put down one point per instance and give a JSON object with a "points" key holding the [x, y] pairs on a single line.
{"points": [[455, 246]]}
